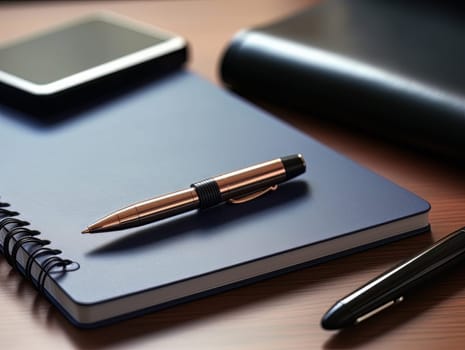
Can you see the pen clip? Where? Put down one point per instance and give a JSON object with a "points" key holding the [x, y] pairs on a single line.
{"points": [[252, 196], [379, 308]]}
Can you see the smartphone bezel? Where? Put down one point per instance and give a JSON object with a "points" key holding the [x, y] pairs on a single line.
{"points": [[171, 43]]}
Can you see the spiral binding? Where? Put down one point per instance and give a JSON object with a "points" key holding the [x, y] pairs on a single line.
{"points": [[17, 230]]}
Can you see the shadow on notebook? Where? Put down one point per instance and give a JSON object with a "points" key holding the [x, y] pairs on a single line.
{"points": [[206, 221], [65, 108]]}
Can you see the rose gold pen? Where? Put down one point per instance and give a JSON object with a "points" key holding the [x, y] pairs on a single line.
{"points": [[237, 187]]}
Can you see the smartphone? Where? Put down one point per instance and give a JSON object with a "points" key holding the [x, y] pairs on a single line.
{"points": [[100, 52]]}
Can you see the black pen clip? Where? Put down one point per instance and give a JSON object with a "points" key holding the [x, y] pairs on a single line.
{"points": [[252, 196]]}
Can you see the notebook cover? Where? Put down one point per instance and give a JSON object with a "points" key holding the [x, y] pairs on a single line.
{"points": [[159, 138], [394, 68]]}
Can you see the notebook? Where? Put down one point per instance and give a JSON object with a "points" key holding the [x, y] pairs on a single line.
{"points": [[391, 68], [160, 137]]}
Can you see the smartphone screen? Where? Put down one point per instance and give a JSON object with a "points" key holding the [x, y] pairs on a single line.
{"points": [[79, 52]]}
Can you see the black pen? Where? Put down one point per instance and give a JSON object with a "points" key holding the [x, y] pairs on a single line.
{"points": [[390, 288], [237, 187]]}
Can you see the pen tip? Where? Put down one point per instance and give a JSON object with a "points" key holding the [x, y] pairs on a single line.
{"points": [[86, 230], [337, 317]]}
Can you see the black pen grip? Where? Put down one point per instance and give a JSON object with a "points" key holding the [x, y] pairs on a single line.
{"points": [[208, 192]]}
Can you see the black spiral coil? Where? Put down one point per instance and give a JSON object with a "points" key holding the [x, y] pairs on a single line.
{"points": [[17, 236]]}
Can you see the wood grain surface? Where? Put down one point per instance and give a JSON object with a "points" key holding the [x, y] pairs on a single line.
{"points": [[284, 312]]}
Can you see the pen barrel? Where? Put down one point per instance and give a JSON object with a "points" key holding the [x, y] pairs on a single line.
{"points": [[158, 208], [251, 179], [418, 269]]}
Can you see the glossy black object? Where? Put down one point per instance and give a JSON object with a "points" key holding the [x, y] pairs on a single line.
{"points": [[393, 68], [390, 287]]}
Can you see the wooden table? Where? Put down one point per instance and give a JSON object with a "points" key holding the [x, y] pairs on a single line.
{"points": [[284, 312]]}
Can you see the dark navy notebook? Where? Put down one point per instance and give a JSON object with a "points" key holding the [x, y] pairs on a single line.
{"points": [[159, 138]]}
